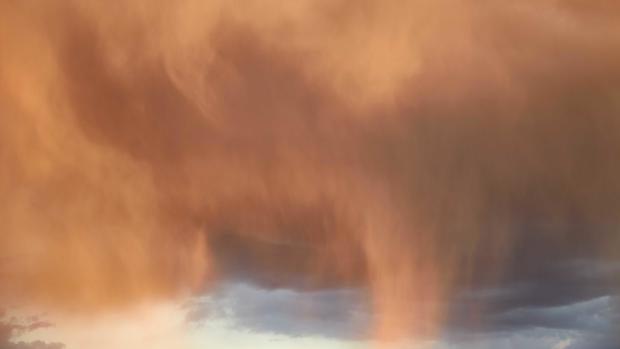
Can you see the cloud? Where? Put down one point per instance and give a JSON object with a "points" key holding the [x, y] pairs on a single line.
{"points": [[593, 315], [9, 329], [338, 314], [560, 299], [414, 149], [563, 344], [32, 345]]}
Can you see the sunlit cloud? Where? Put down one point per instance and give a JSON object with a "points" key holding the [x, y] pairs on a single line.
{"points": [[415, 169]]}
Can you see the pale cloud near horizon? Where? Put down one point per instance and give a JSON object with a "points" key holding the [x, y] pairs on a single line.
{"points": [[563, 344], [232, 319]]}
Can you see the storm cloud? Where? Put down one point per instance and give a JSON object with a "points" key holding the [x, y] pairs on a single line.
{"points": [[418, 150]]}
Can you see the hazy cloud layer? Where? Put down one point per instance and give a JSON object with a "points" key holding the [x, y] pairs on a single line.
{"points": [[416, 149]]}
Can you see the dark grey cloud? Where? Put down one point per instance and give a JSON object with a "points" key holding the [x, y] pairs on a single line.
{"points": [[343, 314], [578, 298], [553, 283], [572, 302], [593, 315]]}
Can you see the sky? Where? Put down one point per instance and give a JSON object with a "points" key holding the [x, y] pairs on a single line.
{"points": [[310, 174]]}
